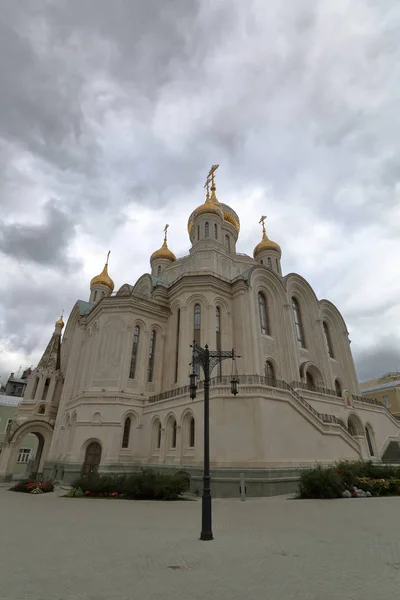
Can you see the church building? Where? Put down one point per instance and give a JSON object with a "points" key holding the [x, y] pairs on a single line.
{"points": [[111, 391]]}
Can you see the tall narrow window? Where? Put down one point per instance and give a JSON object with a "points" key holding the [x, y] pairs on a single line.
{"points": [[269, 262], [46, 388], [262, 308], [151, 356], [338, 388], [310, 381], [178, 327], [218, 336], [207, 229], [196, 333], [277, 265], [95, 296], [269, 370], [135, 346], [159, 270], [215, 231], [227, 243], [328, 339], [369, 441], [191, 432], [127, 431], [35, 387], [198, 232], [172, 433], [157, 436], [298, 323]]}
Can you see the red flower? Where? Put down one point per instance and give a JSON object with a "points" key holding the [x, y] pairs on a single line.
{"points": [[340, 471], [87, 493]]}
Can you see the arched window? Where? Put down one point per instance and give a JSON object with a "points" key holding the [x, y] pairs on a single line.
{"points": [[135, 346], [151, 356], [95, 296], [218, 336], [198, 232], [127, 431], [35, 387], [178, 328], [369, 441], [269, 370], [46, 388], [298, 323], [269, 262], [191, 432], [196, 333], [277, 265], [338, 388], [172, 433], [215, 231], [261, 261], [41, 409], [328, 339], [102, 294], [227, 243], [157, 434], [207, 229], [262, 308], [159, 270], [310, 381]]}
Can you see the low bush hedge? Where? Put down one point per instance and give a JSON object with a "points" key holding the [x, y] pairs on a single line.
{"points": [[33, 486], [144, 485], [332, 481]]}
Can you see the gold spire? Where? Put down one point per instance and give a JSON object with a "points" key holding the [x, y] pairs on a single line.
{"points": [[60, 322], [164, 251], [266, 243], [103, 278]]}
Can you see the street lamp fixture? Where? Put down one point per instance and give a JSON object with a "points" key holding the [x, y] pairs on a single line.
{"points": [[208, 359]]}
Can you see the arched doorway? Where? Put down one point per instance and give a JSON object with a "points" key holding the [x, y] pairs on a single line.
{"points": [[12, 453], [92, 459]]}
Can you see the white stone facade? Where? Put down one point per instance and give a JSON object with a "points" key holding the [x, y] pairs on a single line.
{"points": [[127, 355]]}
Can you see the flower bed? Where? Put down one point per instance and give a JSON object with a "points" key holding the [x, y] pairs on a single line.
{"points": [[349, 480], [145, 485], [33, 486]]}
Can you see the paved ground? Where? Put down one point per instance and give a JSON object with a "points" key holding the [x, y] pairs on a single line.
{"points": [[56, 548]]}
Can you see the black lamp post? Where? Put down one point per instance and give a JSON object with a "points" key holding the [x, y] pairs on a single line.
{"points": [[208, 359]]}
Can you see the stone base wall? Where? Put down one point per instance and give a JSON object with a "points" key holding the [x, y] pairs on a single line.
{"points": [[225, 483]]}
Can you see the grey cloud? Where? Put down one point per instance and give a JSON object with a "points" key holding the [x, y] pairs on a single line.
{"points": [[117, 107], [376, 361], [45, 243]]}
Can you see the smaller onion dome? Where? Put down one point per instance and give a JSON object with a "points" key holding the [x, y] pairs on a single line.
{"points": [[60, 322], [103, 278], [266, 243], [164, 251]]}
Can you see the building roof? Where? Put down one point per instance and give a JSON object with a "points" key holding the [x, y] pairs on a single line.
{"points": [[381, 386], [10, 400]]}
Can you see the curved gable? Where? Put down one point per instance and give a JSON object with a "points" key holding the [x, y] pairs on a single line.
{"points": [[143, 286]]}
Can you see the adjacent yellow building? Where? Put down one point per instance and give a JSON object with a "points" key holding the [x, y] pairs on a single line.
{"points": [[386, 389]]}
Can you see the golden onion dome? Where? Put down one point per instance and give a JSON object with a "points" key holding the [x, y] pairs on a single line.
{"points": [[60, 322], [230, 216], [266, 244], [163, 252], [103, 279]]}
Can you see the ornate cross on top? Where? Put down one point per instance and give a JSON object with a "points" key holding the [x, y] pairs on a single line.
{"points": [[211, 174], [207, 185], [165, 232], [108, 256], [261, 221], [62, 313]]}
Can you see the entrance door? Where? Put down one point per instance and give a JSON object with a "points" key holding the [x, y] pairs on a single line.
{"points": [[92, 458]]}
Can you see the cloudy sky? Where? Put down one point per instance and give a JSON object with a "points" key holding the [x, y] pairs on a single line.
{"points": [[111, 113]]}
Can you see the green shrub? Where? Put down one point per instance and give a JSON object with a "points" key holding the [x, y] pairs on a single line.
{"points": [[144, 485], [33, 486], [352, 470], [321, 482]]}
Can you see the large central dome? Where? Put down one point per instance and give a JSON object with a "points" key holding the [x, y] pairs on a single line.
{"points": [[228, 214]]}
